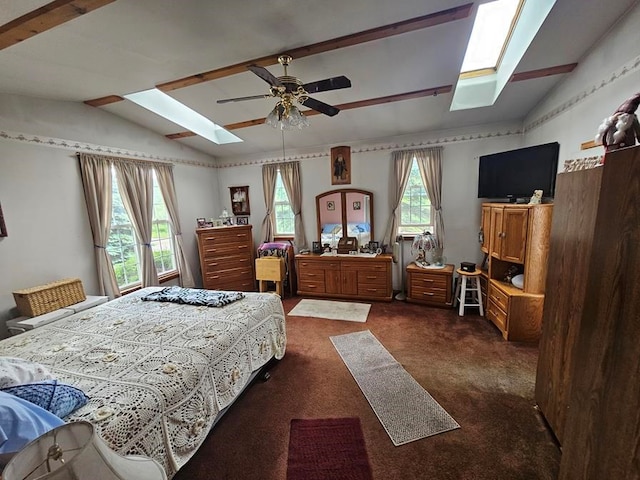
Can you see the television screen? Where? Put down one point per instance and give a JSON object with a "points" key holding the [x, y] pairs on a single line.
{"points": [[517, 173]]}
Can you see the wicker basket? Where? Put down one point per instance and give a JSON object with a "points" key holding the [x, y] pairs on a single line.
{"points": [[35, 301]]}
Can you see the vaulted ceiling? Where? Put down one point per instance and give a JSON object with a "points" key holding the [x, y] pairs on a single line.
{"points": [[403, 59]]}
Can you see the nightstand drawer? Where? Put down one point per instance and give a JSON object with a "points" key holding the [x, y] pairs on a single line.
{"points": [[497, 315]]}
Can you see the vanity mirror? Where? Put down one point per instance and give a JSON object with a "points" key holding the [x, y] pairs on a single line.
{"points": [[346, 212]]}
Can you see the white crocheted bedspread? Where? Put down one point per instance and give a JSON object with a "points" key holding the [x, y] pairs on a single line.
{"points": [[157, 374]]}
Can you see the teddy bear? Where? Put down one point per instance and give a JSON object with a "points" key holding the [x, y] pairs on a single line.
{"points": [[536, 198]]}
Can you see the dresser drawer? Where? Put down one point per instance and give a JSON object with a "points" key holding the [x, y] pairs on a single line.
{"points": [[211, 249], [498, 297], [497, 315], [310, 264], [227, 236], [229, 275], [311, 275], [372, 266], [311, 286], [372, 277], [435, 295], [368, 290], [216, 264]]}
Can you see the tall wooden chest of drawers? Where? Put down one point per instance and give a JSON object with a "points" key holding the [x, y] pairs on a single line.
{"points": [[226, 258]]}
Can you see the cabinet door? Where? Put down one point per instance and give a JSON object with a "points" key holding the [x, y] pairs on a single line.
{"points": [[350, 282], [514, 237], [485, 229], [332, 280], [495, 239]]}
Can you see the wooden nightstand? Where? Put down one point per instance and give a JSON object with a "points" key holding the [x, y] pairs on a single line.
{"points": [[430, 286]]}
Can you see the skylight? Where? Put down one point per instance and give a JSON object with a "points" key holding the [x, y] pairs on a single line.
{"points": [[489, 35], [168, 107]]}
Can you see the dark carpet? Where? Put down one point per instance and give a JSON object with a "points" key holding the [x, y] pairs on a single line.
{"points": [[327, 449], [484, 382]]}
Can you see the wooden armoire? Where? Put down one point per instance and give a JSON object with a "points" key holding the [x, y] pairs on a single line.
{"points": [[588, 378]]}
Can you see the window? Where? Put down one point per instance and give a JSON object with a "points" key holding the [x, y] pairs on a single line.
{"points": [[491, 31], [415, 209], [284, 218], [123, 245]]}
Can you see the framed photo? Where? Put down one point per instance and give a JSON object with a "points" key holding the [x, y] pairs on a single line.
{"points": [[356, 205], [240, 200], [201, 222], [340, 165], [331, 205], [218, 223], [3, 227], [316, 247], [242, 220], [374, 246]]}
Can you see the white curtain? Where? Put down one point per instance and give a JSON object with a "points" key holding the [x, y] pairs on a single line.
{"points": [[402, 161], [96, 183], [135, 183], [269, 176], [164, 174], [290, 173], [429, 162]]}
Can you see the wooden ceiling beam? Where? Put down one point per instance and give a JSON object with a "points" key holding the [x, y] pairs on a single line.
{"points": [[543, 72], [45, 18], [377, 33]]}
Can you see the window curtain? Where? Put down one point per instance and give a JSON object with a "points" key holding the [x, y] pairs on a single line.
{"points": [[96, 183], [164, 174], [402, 161], [290, 173], [429, 162], [135, 182], [269, 175]]}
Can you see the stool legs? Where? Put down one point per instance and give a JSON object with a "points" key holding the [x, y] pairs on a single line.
{"points": [[475, 291], [479, 296], [463, 295]]}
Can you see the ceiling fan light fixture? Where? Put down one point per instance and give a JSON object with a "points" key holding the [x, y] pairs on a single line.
{"points": [[286, 117]]}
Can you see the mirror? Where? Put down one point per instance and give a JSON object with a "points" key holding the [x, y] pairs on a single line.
{"points": [[346, 212]]}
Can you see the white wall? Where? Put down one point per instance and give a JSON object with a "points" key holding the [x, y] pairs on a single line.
{"points": [[41, 191], [602, 80]]}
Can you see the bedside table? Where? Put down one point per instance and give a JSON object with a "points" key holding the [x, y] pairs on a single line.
{"points": [[430, 286]]}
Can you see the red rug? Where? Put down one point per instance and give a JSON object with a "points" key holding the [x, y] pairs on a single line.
{"points": [[326, 449]]}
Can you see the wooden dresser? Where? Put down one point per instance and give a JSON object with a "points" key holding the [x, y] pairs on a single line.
{"points": [[431, 286], [345, 276], [226, 258]]}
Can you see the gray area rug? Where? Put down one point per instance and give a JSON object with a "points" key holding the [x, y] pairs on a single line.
{"points": [[405, 409], [349, 311]]}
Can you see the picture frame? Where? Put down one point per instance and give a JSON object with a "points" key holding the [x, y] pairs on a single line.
{"points": [[201, 222], [218, 223], [316, 247], [341, 165], [374, 246], [240, 200], [331, 205], [3, 227], [357, 205], [242, 220]]}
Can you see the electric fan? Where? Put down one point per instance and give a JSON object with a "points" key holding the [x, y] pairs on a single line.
{"points": [[426, 252]]}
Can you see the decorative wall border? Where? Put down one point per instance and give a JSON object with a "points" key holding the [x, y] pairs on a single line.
{"points": [[382, 147], [627, 68], [77, 146]]}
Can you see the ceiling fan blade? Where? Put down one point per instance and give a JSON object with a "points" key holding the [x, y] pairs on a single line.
{"points": [[241, 99], [266, 75], [320, 107], [329, 84]]}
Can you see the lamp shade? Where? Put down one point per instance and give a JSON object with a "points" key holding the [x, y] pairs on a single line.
{"points": [[75, 451]]}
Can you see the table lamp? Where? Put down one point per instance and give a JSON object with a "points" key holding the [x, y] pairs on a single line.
{"points": [[75, 451]]}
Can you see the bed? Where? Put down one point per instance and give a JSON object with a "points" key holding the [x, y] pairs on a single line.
{"points": [[157, 374]]}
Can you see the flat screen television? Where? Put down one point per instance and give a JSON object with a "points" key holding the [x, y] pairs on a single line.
{"points": [[515, 174]]}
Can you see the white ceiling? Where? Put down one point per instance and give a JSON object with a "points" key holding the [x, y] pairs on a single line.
{"points": [[133, 45]]}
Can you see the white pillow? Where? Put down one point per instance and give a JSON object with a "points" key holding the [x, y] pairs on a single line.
{"points": [[16, 371]]}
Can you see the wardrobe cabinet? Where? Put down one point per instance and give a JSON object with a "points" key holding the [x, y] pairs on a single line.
{"points": [[518, 236], [588, 383], [347, 276], [226, 258]]}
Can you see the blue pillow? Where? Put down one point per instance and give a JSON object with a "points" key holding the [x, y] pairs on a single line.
{"points": [[20, 423], [55, 397]]}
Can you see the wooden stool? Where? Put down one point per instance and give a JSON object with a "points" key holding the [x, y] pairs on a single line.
{"points": [[270, 269], [473, 287]]}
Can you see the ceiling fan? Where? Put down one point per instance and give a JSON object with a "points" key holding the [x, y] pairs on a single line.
{"points": [[290, 89]]}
